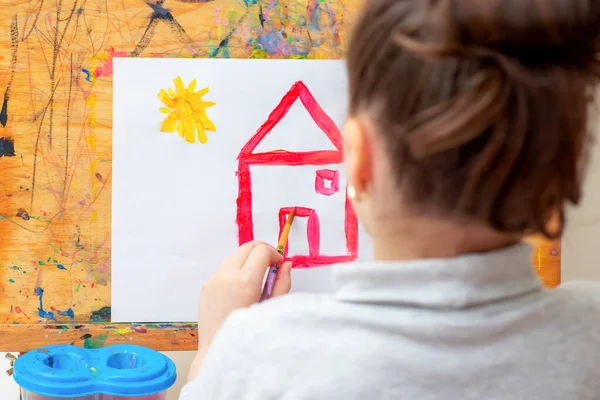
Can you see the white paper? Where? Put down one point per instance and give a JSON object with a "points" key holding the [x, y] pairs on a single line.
{"points": [[174, 203]]}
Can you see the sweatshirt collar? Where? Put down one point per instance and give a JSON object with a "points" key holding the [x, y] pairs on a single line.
{"points": [[458, 282]]}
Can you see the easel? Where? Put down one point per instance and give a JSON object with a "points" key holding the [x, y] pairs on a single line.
{"points": [[55, 143]]}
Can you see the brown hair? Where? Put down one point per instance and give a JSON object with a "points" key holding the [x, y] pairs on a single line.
{"points": [[483, 104]]}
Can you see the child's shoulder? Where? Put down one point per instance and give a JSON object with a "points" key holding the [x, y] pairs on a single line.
{"points": [[275, 323], [289, 314]]}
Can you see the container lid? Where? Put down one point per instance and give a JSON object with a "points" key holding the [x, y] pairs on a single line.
{"points": [[119, 370]]}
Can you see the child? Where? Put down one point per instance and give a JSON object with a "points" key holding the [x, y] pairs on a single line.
{"points": [[467, 130]]}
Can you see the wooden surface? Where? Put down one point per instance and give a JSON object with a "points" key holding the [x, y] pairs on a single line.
{"points": [[164, 337], [55, 190]]}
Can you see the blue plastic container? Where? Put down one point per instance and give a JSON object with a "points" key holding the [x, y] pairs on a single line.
{"points": [[114, 372]]}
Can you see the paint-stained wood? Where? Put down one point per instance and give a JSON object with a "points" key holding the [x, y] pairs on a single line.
{"points": [[55, 143], [163, 337]]}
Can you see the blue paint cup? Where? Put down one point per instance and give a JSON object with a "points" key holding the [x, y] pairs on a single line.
{"points": [[123, 372]]}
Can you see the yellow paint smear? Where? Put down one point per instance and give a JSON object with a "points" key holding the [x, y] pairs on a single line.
{"points": [[123, 331]]}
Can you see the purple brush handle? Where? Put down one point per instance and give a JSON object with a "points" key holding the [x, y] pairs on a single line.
{"points": [[270, 283]]}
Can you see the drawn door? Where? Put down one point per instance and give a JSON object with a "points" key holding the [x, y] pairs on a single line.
{"points": [[304, 217]]}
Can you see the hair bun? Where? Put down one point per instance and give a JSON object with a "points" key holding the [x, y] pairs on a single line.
{"points": [[533, 31]]}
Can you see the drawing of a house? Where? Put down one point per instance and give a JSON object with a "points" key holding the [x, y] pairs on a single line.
{"points": [[319, 186]]}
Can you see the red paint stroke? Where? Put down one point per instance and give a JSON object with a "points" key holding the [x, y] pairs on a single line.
{"points": [[331, 175], [298, 90], [313, 233], [282, 157], [301, 262], [247, 158], [244, 205], [106, 67], [18, 310], [140, 329]]}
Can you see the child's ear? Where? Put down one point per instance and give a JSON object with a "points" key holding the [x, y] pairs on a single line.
{"points": [[357, 155]]}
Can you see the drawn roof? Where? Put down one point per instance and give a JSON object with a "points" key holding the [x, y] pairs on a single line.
{"points": [[318, 115]]}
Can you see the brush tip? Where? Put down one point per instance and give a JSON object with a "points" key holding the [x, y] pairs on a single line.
{"points": [[292, 215]]}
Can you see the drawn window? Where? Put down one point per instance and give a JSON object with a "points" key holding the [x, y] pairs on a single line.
{"points": [[313, 233], [327, 182]]}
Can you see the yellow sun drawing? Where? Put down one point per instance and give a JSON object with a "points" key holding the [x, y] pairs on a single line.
{"points": [[186, 111]]}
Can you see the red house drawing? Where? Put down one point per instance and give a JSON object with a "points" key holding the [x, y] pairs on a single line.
{"points": [[247, 158]]}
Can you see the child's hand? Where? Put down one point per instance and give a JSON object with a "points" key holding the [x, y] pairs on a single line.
{"points": [[237, 283]]}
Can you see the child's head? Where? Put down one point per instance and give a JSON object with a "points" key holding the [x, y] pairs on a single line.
{"points": [[469, 111]]}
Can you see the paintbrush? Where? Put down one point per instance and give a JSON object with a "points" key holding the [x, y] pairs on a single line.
{"points": [[272, 274]]}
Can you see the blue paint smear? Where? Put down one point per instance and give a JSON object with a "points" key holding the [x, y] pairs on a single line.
{"points": [[314, 24], [60, 266], [50, 315], [69, 313], [42, 313], [273, 43], [85, 71]]}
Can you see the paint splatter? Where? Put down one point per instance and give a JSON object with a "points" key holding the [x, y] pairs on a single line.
{"points": [[7, 147], [140, 329], [18, 310], [186, 112], [100, 316], [49, 314], [69, 313], [87, 73], [106, 65], [22, 213], [11, 280], [41, 312], [123, 331], [60, 266], [95, 342]]}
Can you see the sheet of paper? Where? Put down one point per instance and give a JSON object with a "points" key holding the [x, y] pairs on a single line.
{"points": [[180, 207]]}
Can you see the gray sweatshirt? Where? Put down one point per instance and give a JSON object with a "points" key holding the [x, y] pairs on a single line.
{"points": [[479, 326]]}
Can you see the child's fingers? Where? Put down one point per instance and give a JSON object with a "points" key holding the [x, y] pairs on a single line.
{"points": [[258, 261], [239, 257], [283, 283]]}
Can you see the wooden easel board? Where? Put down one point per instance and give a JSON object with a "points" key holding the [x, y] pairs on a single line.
{"points": [[55, 145]]}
